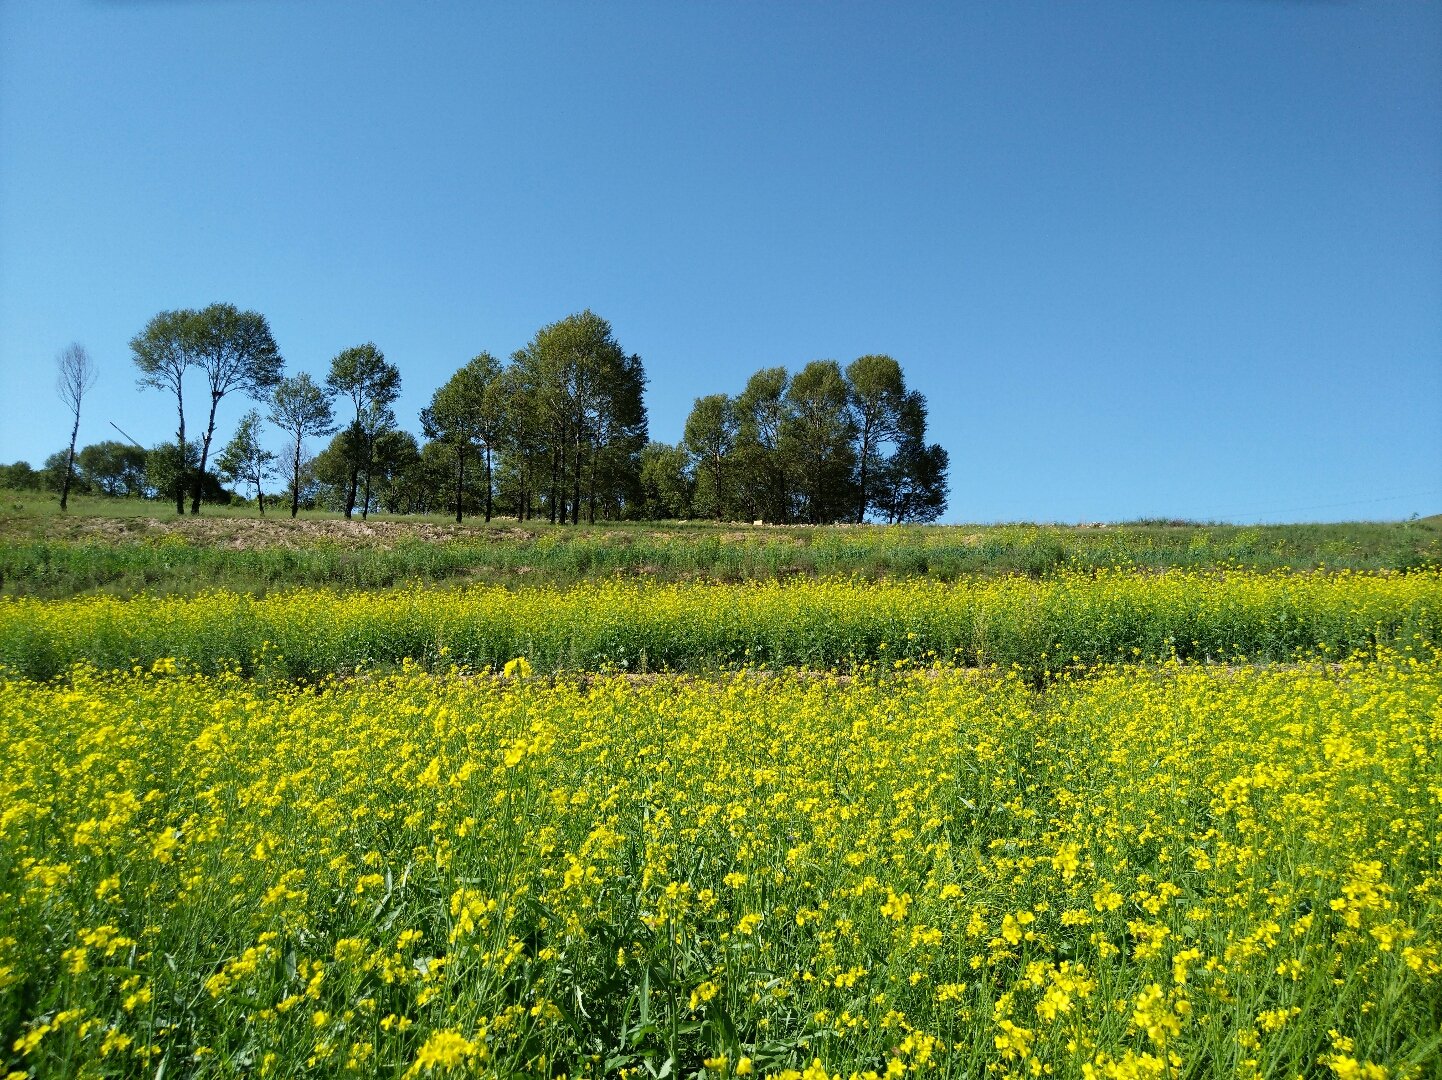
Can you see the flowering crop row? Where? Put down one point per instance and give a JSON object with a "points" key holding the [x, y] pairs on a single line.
{"points": [[1070, 620], [1174, 872]]}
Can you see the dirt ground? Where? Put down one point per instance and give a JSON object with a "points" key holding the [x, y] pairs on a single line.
{"points": [[281, 531], [269, 532]]}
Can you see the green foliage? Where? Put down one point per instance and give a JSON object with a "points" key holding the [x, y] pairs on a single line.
{"points": [[54, 472], [362, 374], [666, 483], [302, 410], [244, 460], [576, 423], [20, 476], [817, 442], [710, 438], [465, 415], [823, 447], [560, 431], [235, 350], [761, 466], [162, 352], [113, 468], [168, 468]]}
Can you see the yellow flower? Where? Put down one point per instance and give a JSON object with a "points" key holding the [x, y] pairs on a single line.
{"points": [[442, 1050]]}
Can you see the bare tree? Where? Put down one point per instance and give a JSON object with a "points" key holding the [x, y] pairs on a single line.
{"points": [[76, 376]]}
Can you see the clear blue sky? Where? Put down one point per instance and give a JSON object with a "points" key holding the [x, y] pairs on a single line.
{"points": [[1172, 257]]}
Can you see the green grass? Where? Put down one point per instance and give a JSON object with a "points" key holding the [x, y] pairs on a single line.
{"points": [[124, 547]]}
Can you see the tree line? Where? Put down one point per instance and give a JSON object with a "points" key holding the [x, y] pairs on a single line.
{"points": [[557, 432], [828, 444]]}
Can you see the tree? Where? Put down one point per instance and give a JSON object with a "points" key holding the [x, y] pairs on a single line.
{"points": [[587, 396], [434, 472], [76, 376], [162, 353], [521, 438], [490, 419], [710, 438], [113, 468], [395, 458], [666, 484], [297, 475], [463, 415], [302, 410], [912, 485], [761, 413], [20, 476], [331, 468], [617, 437], [244, 460], [168, 468], [54, 473], [816, 440], [878, 400], [236, 351], [362, 374]]}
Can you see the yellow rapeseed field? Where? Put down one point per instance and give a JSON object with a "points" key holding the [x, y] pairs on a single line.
{"points": [[1070, 620], [1169, 871]]}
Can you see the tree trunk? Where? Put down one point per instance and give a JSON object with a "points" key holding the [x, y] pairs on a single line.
{"points": [[560, 446], [366, 499], [180, 484], [576, 489], [70, 460], [861, 477], [716, 482], [295, 480], [350, 489], [259, 495], [591, 492], [204, 457], [489, 484], [460, 480]]}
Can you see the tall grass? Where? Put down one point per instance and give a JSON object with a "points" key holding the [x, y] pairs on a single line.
{"points": [[195, 556]]}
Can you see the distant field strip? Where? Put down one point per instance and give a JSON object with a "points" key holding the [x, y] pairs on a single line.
{"points": [[1071, 620], [1146, 874], [188, 555]]}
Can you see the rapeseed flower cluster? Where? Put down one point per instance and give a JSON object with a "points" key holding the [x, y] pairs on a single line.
{"points": [[1167, 872]]}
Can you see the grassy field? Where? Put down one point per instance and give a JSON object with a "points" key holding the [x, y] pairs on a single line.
{"points": [[128, 546], [410, 800]]}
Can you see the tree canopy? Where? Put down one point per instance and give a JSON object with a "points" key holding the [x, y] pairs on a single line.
{"points": [[823, 446], [362, 374], [302, 410]]}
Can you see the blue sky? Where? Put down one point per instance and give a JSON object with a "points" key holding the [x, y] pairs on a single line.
{"points": [[1175, 257]]}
